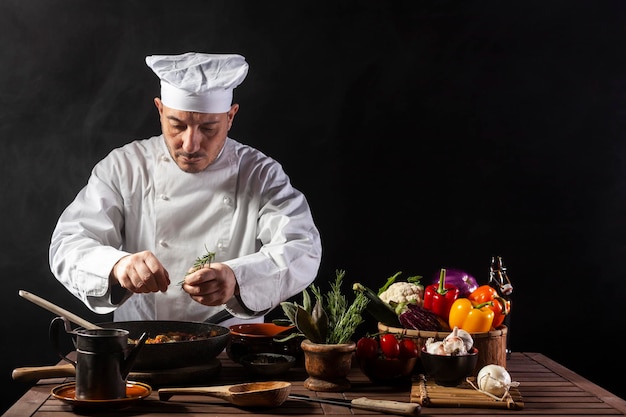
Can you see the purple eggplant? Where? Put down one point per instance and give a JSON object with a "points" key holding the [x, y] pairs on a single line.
{"points": [[465, 282]]}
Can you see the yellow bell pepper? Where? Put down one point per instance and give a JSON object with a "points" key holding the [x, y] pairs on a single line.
{"points": [[471, 316]]}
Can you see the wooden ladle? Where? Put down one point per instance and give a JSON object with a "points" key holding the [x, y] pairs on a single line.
{"points": [[253, 394]]}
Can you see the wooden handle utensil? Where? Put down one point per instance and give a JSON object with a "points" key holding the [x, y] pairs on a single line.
{"points": [[34, 373], [254, 394], [57, 310]]}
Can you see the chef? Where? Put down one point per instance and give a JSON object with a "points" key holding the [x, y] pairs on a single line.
{"points": [[153, 207]]}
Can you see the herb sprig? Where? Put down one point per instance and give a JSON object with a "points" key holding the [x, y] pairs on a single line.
{"points": [[330, 320], [200, 262]]}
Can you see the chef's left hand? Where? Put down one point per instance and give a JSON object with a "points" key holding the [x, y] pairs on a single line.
{"points": [[211, 286]]}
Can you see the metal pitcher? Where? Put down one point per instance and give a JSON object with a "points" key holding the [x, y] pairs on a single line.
{"points": [[104, 359]]}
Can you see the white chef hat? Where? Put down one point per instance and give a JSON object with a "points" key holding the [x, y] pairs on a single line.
{"points": [[198, 82]]}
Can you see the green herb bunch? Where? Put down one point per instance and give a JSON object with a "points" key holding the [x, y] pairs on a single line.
{"points": [[330, 320], [200, 262]]}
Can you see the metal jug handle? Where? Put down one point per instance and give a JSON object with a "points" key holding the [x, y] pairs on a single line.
{"points": [[54, 335]]}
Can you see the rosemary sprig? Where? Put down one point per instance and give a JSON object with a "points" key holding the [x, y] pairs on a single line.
{"points": [[200, 262], [343, 319], [347, 323], [335, 301], [331, 320]]}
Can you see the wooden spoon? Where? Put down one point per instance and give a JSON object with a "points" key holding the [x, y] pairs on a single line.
{"points": [[253, 394], [57, 310]]}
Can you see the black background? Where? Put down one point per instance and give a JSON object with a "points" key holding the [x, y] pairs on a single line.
{"points": [[425, 134]]}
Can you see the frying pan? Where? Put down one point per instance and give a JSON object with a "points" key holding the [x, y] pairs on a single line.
{"points": [[156, 357], [159, 356]]}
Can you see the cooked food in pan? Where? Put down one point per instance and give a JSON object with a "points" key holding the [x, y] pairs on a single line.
{"points": [[171, 337]]}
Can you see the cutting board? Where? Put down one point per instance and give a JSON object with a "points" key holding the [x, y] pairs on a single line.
{"points": [[428, 394]]}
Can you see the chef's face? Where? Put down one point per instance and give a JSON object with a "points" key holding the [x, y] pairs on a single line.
{"points": [[194, 139]]}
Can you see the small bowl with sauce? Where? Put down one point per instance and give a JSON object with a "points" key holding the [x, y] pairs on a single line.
{"points": [[268, 364]]}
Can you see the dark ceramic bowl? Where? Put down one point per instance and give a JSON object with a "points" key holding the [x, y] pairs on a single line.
{"points": [[388, 371], [449, 371], [249, 338], [267, 364]]}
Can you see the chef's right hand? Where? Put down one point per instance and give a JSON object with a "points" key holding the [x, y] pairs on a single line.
{"points": [[141, 272]]}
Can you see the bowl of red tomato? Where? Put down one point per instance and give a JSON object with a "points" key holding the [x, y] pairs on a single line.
{"points": [[387, 359]]}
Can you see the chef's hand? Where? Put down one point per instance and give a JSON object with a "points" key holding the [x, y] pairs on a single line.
{"points": [[141, 272], [211, 286]]}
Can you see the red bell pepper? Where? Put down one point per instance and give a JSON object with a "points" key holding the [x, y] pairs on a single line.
{"points": [[500, 306], [438, 298]]}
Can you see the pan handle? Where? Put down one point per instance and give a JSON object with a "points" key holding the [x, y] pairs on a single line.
{"points": [[219, 317]]}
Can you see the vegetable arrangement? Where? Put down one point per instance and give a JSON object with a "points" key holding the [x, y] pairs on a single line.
{"points": [[454, 299]]}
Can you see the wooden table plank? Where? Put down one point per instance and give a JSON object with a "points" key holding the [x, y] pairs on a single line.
{"points": [[30, 402], [547, 389], [583, 383]]}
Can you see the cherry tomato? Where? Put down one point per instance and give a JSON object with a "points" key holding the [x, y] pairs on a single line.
{"points": [[389, 345], [367, 348], [408, 349]]}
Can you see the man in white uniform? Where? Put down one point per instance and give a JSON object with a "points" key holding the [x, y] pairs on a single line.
{"points": [[153, 206]]}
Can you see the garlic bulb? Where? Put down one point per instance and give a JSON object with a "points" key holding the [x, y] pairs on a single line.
{"points": [[459, 342], [467, 338], [433, 347], [495, 380]]}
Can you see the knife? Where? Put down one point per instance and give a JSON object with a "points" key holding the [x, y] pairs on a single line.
{"points": [[383, 406]]}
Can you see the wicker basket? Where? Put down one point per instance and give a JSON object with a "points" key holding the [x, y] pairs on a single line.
{"points": [[491, 345]]}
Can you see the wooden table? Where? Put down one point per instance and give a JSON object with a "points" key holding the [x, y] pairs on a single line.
{"points": [[547, 388]]}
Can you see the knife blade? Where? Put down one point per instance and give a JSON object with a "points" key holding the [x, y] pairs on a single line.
{"points": [[363, 403]]}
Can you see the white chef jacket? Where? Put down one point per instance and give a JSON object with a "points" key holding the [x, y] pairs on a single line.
{"points": [[242, 207]]}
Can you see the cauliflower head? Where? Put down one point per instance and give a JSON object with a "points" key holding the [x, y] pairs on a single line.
{"points": [[399, 294]]}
